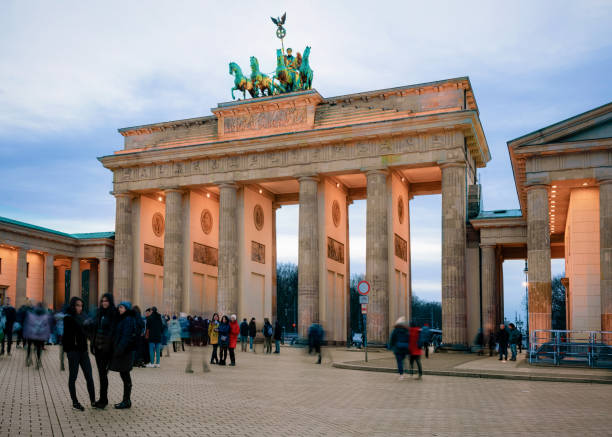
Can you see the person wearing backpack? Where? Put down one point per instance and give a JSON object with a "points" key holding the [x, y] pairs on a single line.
{"points": [[75, 346], [399, 343], [278, 333], [102, 344], [415, 349], [125, 340], [268, 332]]}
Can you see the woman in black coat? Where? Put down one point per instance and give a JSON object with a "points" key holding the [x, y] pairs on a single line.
{"points": [[102, 344], [124, 343], [75, 346]]}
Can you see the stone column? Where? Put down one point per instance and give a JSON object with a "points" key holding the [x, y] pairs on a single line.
{"points": [[94, 296], [173, 252], [103, 276], [308, 255], [489, 310], [347, 287], [377, 256], [123, 259], [49, 281], [22, 277], [538, 258], [75, 277], [454, 306], [273, 255], [227, 295], [605, 253]]}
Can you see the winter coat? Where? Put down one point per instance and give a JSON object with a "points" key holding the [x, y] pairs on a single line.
{"points": [[175, 330], [224, 331], [10, 317], [155, 327], [414, 348], [233, 334], [244, 329], [124, 343], [184, 327], [74, 338], [399, 342], [278, 331], [106, 321], [37, 326], [213, 332], [268, 330], [502, 337], [252, 329], [315, 335], [513, 336]]}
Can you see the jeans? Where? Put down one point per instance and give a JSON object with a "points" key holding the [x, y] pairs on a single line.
{"points": [[154, 350], [38, 345], [243, 343], [416, 358], [78, 359], [503, 351], [513, 350], [223, 354], [268, 345], [103, 362], [251, 342], [277, 346], [400, 357]]}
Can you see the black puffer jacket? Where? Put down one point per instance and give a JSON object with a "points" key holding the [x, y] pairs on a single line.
{"points": [[252, 329], [155, 328], [124, 343], [106, 321], [74, 338]]}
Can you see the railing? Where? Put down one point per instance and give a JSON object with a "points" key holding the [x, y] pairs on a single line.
{"points": [[560, 347]]}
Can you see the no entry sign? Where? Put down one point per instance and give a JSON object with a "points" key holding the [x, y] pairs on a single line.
{"points": [[363, 288]]}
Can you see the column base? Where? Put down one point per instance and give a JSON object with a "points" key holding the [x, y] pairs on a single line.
{"points": [[448, 347]]}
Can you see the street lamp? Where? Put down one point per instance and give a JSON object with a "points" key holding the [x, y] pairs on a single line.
{"points": [[526, 283]]}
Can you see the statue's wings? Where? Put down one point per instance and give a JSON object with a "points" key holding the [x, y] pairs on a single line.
{"points": [[283, 18], [274, 20]]}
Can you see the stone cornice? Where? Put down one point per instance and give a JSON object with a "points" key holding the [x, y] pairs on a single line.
{"points": [[510, 222], [465, 121]]}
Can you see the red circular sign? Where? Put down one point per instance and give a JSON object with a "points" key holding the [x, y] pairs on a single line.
{"points": [[363, 288]]}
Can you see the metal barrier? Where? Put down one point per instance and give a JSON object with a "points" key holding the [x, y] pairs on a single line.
{"points": [[581, 348]]}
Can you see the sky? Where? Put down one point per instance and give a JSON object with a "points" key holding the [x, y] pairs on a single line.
{"points": [[72, 72]]}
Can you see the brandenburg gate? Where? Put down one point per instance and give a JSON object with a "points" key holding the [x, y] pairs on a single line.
{"points": [[196, 202]]}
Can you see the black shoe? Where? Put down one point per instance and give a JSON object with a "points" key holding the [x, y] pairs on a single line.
{"points": [[77, 406], [232, 364], [100, 405], [123, 405]]}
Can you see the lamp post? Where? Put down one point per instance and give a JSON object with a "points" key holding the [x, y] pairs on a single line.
{"points": [[526, 283]]}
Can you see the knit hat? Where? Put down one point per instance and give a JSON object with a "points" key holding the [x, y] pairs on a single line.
{"points": [[126, 304]]}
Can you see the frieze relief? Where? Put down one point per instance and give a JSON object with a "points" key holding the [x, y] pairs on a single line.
{"points": [[205, 254], [335, 250], [265, 120]]}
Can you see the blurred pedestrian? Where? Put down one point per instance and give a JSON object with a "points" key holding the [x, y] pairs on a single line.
{"points": [[124, 345], [185, 336], [520, 342], [10, 316], [502, 341], [102, 344], [315, 340], [399, 343], [252, 334], [244, 334], [479, 342], [175, 333], [278, 333], [75, 346], [492, 343], [37, 330], [268, 332], [426, 338], [415, 349], [213, 334], [233, 338], [513, 339], [141, 352], [154, 336], [224, 330], [59, 334]]}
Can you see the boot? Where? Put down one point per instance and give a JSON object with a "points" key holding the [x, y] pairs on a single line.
{"points": [[126, 403], [101, 404]]}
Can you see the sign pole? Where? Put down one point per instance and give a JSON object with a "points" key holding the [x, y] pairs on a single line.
{"points": [[363, 288], [365, 335]]}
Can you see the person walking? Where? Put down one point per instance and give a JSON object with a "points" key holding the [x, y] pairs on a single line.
{"points": [[502, 341], [492, 342], [10, 317], [75, 346], [252, 333], [415, 349], [244, 334], [37, 330], [233, 338], [124, 344], [315, 340], [399, 343], [426, 338], [185, 336], [224, 330], [278, 333], [213, 334], [102, 344], [268, 332], [513, 339], [154, 335], [59, 334]]}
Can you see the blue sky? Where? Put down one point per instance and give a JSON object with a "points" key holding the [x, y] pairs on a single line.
{"points": [[72, 72]]}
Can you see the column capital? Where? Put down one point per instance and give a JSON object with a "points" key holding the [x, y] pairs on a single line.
{"points": [[312, 177], [536, 186], [604, 181], [173, 190], [227, 184], [374, 171], [447, 164]]}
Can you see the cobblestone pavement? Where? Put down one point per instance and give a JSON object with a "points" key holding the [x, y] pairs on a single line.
{"points": [[288, 395]]}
